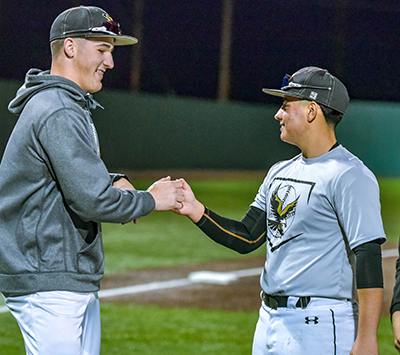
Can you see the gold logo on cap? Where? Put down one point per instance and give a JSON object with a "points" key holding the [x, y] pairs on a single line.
{"points": [[108, 17]]}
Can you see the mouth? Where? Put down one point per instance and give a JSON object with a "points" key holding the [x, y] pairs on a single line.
{"points": [[100, 72]]}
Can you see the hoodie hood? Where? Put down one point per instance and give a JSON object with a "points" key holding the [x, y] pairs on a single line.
{"points": [[37, 80]]}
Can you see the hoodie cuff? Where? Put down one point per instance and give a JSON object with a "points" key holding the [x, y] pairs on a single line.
{"points": [[116, 176]]}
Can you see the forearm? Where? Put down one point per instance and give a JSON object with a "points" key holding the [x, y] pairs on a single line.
{"points": [[242, 236], [370, 307], [370, 296]]}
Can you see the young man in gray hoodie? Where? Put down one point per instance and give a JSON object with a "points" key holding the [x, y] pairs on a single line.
{"points": [[56, 191]]}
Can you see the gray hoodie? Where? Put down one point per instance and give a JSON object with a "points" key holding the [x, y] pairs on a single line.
{"points": [[55, 191]]}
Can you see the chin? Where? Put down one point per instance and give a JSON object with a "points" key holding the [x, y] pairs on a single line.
{"points": [[287, 140], [98, 88]]}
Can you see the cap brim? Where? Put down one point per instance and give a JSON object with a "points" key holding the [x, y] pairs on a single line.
{"points": [[122, 40], [119, 40], [125, 40], [280, 93]]}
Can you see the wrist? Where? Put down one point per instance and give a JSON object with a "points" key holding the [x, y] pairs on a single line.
{"points": [[197, 212]]}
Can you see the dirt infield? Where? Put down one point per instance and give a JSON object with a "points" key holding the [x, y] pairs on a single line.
{"points": [[242, 295]]}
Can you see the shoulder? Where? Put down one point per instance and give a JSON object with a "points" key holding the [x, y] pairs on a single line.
{"points": [[283, 164], [52, 103], [279, 168], [352, 171], [55, 98], [351, 164]]}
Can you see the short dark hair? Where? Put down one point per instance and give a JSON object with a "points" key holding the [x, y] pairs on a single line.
{"points": [[56, 47], [332, 117]]}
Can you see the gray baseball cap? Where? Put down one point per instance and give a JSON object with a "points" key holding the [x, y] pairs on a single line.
{"points": [[88, 21], [314, 84]]}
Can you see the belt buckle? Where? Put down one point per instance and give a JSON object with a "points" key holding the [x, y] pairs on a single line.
{"points": [[270, 301]]}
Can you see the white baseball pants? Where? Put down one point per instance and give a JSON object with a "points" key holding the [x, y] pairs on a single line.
{"points": [[58, 322], [326, 326]]}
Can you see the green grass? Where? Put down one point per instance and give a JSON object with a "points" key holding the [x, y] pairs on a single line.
{"points": [[385, 337], [163, 238], [144, 330], [390, 202], [153, 330]]}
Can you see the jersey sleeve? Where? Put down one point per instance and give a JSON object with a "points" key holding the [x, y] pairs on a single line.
{"points": [[260, 199], [357, 205]]}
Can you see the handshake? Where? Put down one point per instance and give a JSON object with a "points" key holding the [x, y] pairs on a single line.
{"points": [[174, 195]]}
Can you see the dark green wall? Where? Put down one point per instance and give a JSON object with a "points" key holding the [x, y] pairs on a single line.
{"points": [[150, 132], [371, 130], [143, 131]]}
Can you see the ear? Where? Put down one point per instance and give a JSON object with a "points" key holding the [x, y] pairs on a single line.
{"points": [[70, 47], [312, 111]]}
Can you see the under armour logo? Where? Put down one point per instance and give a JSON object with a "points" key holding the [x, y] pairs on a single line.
{"points": [[315, 320]]}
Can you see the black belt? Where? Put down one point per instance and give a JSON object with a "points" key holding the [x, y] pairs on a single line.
{"points": [[281, 301]]}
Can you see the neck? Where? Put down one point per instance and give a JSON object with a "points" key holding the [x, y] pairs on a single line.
{"points": [[319, 145], [59, 69]]}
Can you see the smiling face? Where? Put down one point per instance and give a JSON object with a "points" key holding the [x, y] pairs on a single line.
{"points": [[93, 56], [292, 116]]}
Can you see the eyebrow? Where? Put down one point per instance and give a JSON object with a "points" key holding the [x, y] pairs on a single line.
{"points": [[107, 45]]}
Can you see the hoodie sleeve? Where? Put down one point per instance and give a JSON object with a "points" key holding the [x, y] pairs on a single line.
{"points": [[67, 139]]}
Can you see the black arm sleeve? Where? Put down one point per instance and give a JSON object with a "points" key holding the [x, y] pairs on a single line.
{"points": [[369, 265], [242, 236], [396, 291]]}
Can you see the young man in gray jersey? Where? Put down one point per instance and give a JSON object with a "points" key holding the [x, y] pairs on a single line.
{"points": [[319, 215], [56, 191]]}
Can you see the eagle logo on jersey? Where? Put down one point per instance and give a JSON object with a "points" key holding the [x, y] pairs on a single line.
{"points": [[283, 204]]}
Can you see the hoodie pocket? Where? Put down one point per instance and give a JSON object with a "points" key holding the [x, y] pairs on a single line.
{"points": [[91, 258]]}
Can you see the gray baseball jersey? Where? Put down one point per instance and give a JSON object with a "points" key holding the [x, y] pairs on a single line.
{"points": [[317, 211]]}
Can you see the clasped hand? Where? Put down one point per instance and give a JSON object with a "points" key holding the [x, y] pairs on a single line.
{"points": [[168, 194], [176, 196]]}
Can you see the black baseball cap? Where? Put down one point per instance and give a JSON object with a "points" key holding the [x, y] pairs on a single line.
{"points": [[314, 84], [88, 21]]}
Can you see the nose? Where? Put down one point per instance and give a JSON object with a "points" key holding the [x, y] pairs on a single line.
{"points": [[278, 115], [109, 61]]}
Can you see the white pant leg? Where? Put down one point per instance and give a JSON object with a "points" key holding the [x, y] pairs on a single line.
{"points": [[58, 322], [261, 334], [324, 327], [91, 335]]}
